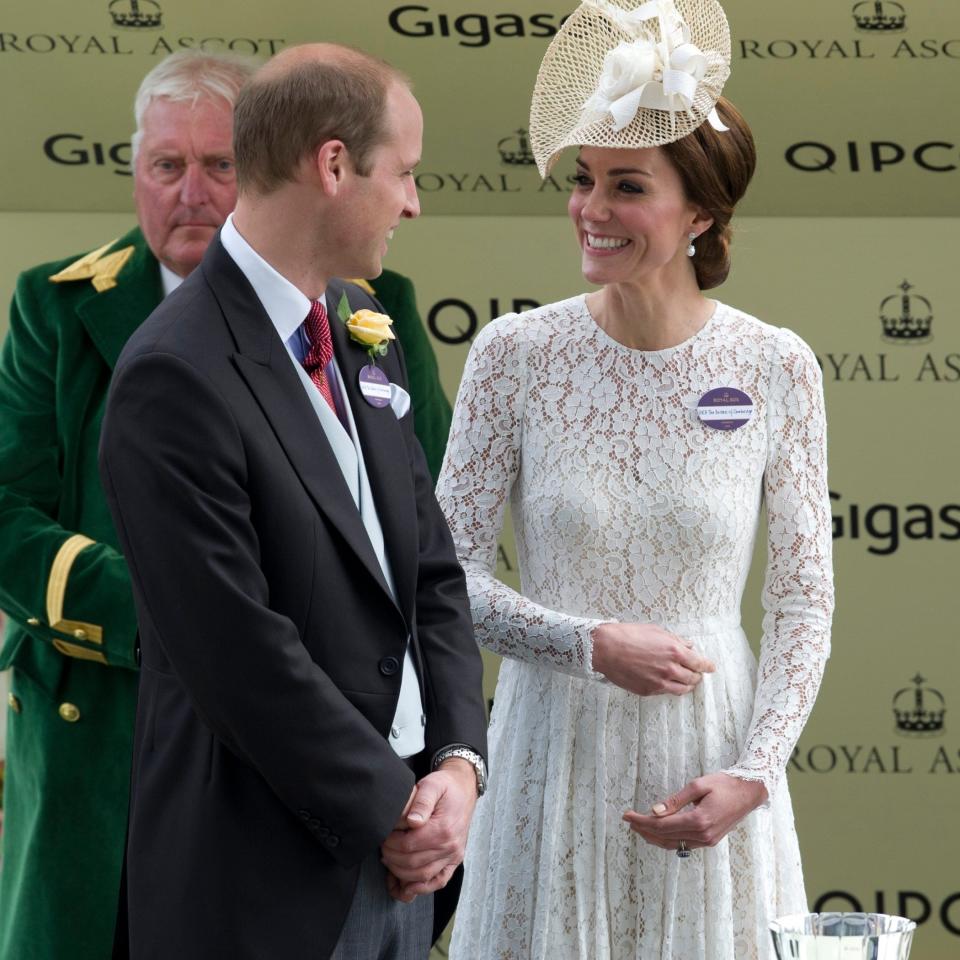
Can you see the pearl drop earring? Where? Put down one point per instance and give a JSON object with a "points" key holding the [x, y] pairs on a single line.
{"points": [[691, 250]]}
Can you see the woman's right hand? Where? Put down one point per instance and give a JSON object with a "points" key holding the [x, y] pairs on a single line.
{"points": [[645, 659]]}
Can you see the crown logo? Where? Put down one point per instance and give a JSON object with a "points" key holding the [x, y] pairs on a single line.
{"points": [[515, 150], [912, 324], [136, 14], [919, 710], [882, 15]]}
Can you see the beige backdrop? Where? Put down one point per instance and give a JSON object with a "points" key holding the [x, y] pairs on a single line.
{"points": [[852, 120], [873, 800]]}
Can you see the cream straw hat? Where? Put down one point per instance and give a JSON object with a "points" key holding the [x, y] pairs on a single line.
{"points": [[621, 73]]}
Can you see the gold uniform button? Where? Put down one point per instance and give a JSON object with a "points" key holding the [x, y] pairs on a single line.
{"points": [[69, 712], [33, 622], [80, 633], [14, 701]]}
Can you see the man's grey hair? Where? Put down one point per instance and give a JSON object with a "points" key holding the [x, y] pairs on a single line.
{"points": [[189, 76]]}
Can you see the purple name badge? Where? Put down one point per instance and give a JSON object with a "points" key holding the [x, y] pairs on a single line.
{"points": [[375, 386], [724, 408]]}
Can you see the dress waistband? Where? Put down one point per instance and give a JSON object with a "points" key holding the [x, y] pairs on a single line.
{"points": [[704, 627]]}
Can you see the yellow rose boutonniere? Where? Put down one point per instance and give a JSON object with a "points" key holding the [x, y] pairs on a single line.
{"points": [[371, 330]]}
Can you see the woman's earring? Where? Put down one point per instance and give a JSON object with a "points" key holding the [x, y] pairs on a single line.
{"points": [[691, 250]]}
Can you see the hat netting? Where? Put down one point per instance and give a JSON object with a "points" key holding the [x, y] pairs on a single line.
{"points": [[573, 63]]}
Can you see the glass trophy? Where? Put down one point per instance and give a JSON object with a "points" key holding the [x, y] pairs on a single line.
{"points": [[842, 936]]}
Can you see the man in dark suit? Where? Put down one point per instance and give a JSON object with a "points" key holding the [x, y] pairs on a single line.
{"points": [[310, 728]]}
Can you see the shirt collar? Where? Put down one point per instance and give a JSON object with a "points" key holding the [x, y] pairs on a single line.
{"points": [[169, 280], [286, 306]]}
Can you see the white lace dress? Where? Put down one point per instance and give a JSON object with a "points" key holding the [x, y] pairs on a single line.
{"points": [[626, 507]]}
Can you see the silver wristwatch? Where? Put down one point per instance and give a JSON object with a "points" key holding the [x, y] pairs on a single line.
{"points": [[464, 752]]}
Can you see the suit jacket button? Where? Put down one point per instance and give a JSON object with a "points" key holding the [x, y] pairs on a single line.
{"points": [[332, 842], [304, 814], [14, 702], [69, 712], [33, 622], [389, 666]]}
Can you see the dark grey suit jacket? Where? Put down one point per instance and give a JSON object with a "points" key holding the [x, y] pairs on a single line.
{"points": [[271, 645]]}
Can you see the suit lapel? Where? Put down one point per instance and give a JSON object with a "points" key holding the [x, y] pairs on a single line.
{"points": [[263, 362], [111, 317], [387, 461]]}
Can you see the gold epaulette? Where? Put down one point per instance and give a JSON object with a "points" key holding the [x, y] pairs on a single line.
{"points": [[98, 266], [363, 285]]}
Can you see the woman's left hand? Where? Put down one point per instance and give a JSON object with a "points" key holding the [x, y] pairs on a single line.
{"points": [[719, 803]]}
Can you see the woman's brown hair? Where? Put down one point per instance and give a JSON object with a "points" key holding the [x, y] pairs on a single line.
{"points": [[715, 169]]}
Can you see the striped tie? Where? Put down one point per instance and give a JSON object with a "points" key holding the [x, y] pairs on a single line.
{"points": [[321, 349]]}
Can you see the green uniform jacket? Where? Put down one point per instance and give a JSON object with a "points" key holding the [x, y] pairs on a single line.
{"points": [[71, 632], [72, 628]]}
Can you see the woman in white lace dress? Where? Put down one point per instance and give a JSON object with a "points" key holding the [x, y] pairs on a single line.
{"points": [[628, 690]]}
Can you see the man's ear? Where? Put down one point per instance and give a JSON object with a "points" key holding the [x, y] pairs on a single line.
{"points": [[330, 165]]}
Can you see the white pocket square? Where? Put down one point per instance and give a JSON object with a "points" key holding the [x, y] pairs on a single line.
{"points": [[399, 400]]}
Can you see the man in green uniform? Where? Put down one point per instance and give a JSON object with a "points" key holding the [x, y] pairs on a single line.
{"points": [[71, 633]]}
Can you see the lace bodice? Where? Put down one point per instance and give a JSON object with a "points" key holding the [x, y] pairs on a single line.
{"points": [[626, 507]]}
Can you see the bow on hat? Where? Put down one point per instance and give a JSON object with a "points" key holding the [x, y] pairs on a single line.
{"points": [[641, 73]]}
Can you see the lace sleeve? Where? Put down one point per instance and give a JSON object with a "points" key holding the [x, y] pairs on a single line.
{"points": [[798, 591], [482, 462]]}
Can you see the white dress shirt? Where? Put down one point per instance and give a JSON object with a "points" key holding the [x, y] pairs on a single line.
{"points": [[169, 279]]}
